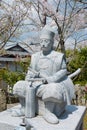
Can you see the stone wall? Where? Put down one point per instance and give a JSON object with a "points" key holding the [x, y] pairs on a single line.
{"points": [[80, 95], [3, 105]]}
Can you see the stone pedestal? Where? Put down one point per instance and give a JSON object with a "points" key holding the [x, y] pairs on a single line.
{"points": [[71, 119]]}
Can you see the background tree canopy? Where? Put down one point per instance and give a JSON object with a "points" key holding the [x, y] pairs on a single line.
{"points": [[78, 60], [19, 17]]}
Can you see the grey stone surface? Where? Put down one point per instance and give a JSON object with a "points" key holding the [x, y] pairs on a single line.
{"points": [[71, 119]]}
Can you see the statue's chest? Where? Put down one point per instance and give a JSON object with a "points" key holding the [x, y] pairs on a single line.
{"points": [[45, 64]]}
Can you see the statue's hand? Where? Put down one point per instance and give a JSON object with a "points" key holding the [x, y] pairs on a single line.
{"points": [[41, 75], [44, 81], [33, 75], [36, 75]]}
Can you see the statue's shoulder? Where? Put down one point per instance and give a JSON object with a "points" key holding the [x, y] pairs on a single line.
{"points": [[58, 54], [36, 54]]}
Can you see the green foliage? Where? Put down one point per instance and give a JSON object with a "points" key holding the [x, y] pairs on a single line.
{"points": [[24, 65], [78, 60], [86, 96], [11, 77]]}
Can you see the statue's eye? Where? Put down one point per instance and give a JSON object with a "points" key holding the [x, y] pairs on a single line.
{"points": [[44, 40], [41, 41]]}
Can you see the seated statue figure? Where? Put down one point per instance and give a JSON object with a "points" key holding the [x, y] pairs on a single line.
{"points": [[56, 87]]}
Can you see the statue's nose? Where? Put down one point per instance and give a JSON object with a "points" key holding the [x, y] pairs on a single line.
{"points": [[43, 45]]}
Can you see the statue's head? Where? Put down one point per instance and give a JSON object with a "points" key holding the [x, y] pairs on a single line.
{"points": [[46, 40]]}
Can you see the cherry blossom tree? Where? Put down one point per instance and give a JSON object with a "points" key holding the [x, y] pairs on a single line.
{"points": [[65, 16], [11, 18]]}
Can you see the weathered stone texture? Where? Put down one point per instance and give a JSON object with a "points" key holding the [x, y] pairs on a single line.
{"points": [[3, 105]]}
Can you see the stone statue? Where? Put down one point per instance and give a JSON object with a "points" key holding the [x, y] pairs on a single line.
{"points": [[55, 88]]}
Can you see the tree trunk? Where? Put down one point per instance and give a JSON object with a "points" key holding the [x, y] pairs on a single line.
{"points": [[44, 20], [62, 47]]}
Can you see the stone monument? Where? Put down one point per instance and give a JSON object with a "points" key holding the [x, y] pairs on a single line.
{"points": [[46, 80], [45, 94]]}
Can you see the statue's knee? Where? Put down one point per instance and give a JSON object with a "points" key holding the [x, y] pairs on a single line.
{"points": [[20, 88], [52, 93]]}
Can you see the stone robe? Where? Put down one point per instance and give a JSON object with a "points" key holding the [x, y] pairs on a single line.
{"points": [[60, 87]]}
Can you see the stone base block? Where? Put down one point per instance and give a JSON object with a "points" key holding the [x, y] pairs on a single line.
{"points": [[71, 119]]}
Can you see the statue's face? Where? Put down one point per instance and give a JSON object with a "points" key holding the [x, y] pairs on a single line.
{"points": [[46, 44]]}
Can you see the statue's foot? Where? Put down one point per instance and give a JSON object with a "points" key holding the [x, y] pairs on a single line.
{"points": [[51, 118], [18, 112]]}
